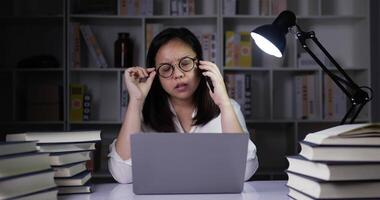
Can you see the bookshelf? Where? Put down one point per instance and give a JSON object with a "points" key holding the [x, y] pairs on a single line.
{"points": [[342, 26]]}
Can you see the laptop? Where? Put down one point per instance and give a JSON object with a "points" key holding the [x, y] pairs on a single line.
{"points": [[198, 163]]}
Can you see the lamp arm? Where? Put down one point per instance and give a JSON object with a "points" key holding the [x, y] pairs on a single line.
{"points": [[354, 92]]}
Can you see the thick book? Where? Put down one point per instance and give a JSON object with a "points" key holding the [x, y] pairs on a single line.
{"points": [[340, 153], [82, 189], [23, 163], [319, 189], [333, 170], [25, 184], [295, 194], [77, 180], [56, 137], [69, 170], [49, 194], [66, 147], [8, 148], [347, 134], [59, 159]]}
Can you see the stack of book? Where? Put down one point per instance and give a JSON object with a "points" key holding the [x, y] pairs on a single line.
{"points": [[25, 173], [69, 153], [342, 162]]}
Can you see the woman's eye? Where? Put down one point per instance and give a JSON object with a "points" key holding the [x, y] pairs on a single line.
{"points": [[165, 68]]}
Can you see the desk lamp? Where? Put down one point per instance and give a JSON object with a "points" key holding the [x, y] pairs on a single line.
{"points": [[271, 39]]}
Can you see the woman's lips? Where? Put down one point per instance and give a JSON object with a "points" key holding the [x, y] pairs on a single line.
{"points": [[181, 87]]}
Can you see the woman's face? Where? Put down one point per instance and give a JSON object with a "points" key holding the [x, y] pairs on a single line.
{"points": [[180, 85]]}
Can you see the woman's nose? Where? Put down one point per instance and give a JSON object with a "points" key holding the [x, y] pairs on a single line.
{"points": [[178, 73]]}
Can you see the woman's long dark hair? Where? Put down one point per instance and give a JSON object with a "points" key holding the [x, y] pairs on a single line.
{"points": [[156, 111]]}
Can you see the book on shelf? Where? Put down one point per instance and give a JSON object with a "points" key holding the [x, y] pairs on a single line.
{"points": [[264, 7], [44, 102], [69, 170], [347, 134], [320, 189], [82, 189], [76, 102], [59, 159], [87, 99], [229, 44], [77, 180], [277, 6], [93, 46], [49, 194], [151, 30], [334, 170], [305, 96], [182, 7], [340, 152], [238, 49], [75, 45], [56, 137], [15, 164], [334, 100], [208, 42], [7, 148], [20, 185], [239, 88], [245, 47], [229, 7], [135, 7], [65, 147]]}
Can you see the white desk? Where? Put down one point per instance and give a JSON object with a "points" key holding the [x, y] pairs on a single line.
{"points": [[255, 190]]}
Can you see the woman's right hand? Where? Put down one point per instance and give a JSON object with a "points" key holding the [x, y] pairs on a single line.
{"points": [[139, 81]]}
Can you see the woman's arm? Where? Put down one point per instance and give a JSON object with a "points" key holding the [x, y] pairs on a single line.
{"points": [[230, 122], [138, 81]]}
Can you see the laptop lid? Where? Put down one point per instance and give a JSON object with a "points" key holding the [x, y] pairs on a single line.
{"points": [[173, 163]]}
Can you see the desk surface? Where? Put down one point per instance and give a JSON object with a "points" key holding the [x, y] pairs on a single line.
{"points": [[254, 190]]}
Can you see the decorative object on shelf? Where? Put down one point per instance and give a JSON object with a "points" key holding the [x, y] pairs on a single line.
{"points": [[123, 51], [271, 39]]}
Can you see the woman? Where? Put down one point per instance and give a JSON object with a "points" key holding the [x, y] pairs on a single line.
{"points": [[173, 96]]}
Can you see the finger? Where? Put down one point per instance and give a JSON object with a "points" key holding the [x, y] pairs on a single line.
{"points": [[151, 69], [211, 75], [209, 66], [151, 77]]}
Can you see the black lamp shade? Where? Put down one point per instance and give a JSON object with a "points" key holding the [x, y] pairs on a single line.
{"points": [[274, 33], [274, 36]]}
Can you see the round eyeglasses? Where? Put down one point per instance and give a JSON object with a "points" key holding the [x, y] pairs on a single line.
{"points": [[186, 64]]}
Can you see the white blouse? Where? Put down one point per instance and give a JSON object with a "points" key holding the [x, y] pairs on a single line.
{"points": [[121, 170]]}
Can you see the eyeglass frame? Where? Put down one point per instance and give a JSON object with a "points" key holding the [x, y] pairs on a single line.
{"points": [[195, 63]]}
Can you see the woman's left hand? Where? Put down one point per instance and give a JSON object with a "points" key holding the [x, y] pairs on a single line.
{"points": [[212, 71]]}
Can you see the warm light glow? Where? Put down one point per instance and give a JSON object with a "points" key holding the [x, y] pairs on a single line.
{"points": [[266, 45]]}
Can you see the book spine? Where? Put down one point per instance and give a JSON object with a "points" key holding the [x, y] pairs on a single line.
{"points": [[122, 7], [75, 45], [87, 107], [229, 7], [240, 89], [174, 7], [89, 39], [278, 6], [98, 50], [191, 7], [248, 96], [245, 58], [76, 102], [229, 48]]}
